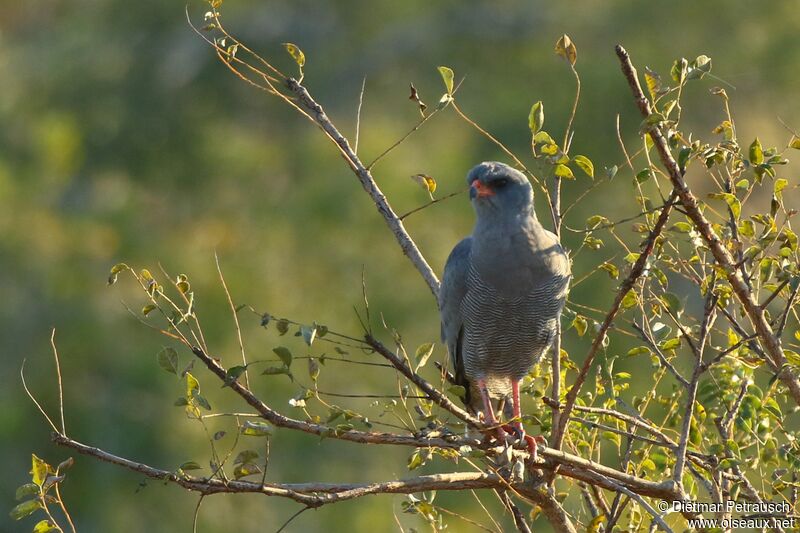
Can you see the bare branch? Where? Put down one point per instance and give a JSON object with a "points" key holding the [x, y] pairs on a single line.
{"points": [[364, 176]]}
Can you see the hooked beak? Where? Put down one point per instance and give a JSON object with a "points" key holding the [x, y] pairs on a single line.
{"points": [[479, 190]]}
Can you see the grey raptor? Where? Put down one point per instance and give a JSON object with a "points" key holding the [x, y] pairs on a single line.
{"points": [[502, 291]]}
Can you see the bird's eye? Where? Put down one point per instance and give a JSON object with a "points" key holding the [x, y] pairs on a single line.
{"points": [[501, 183]]}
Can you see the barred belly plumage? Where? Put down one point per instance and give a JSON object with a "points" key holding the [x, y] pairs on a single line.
{"points": [[505, 337]]}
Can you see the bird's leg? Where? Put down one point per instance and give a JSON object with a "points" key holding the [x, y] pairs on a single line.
{"points": [[491, 420], [517, 424]]}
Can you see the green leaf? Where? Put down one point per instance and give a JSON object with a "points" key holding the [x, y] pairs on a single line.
{"points": [[148, 308], [115, 270], [542, 137], [795, 143], [277, 370], [423, 353], [780, 184], [297, 54], [580, 324], [772, 407], [679, 69], [201, 400], [563, 171], [536, 120], [566, 48], [284, 354], [653, 81], [447, 76], [168, 360], [673, 303], [639, 350], [190, 465], [233, 373], [670, 344], [733, 202], [643, 175], [254, 428], [246, 456], [613, 271], [24, 509], [756, 152], [39, 470], [585, 164], [28, 489], [699, 67], [630, 300], [282, 326]]}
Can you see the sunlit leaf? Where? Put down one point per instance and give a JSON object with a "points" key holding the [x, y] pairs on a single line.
{"points": [[426, 182], [423, 353], [297, 54], [536, 120], [563, 171], [447, 76], [580, 324], [756, 153], [585, 164], [44, 526], [39, 469]]}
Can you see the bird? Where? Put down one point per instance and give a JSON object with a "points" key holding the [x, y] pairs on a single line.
{"points": [[502, 293]]}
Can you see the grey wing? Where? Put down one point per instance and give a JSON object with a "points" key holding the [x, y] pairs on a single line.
{"points": [[452, 292]]}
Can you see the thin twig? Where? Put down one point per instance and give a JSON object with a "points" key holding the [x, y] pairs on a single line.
{"points": [[60, 388], [626, 286], [358, 113], [721, 254]]}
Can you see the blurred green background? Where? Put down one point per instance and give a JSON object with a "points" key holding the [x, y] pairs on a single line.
{"points": [[124, 139]]}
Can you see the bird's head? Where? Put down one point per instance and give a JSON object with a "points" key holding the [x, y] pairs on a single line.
{"points": [[496, 188]]}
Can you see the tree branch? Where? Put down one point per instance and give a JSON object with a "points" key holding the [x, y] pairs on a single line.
{"points": [[771, 342], [364, 176], [626, 286]]}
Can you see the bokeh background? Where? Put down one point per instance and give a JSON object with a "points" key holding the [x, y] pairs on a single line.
{"points": [[124, 139]]}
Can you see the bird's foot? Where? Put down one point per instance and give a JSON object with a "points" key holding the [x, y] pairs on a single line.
{"points": [[530, 440]]}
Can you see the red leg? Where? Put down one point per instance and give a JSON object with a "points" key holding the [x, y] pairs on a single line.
{"points": [[487, 408], [529, 440]]}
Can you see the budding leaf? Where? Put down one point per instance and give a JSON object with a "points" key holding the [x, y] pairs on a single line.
{"points": [[566, 49]]}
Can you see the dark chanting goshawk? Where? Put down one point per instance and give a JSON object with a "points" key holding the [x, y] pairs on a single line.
{"points": [[502, 292]]}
